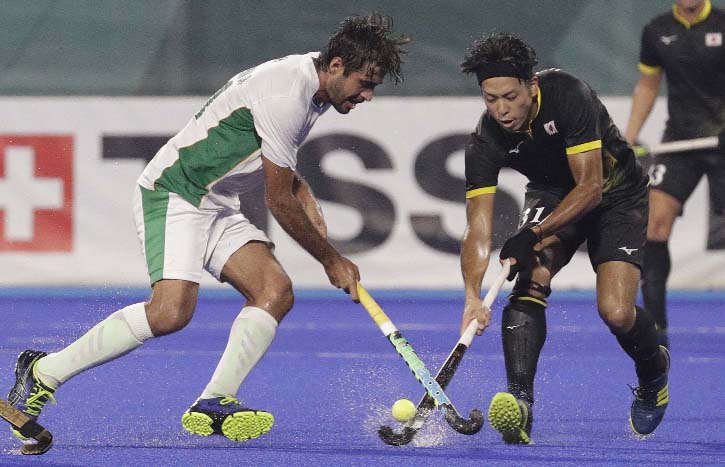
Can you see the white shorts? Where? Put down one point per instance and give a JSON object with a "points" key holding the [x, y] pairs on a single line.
{"points": [[179, 240]]}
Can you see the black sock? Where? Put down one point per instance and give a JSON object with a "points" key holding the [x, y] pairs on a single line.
{"points": [[655, 271], [641, 345], [523, 328]]}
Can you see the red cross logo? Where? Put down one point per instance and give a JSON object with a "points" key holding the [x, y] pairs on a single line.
{"points": [[36, 193]]}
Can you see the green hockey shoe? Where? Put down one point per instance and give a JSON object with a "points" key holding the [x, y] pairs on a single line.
{"points": [[228, 417], [511, 417]]}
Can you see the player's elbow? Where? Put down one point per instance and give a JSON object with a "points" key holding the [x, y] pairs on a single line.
{"points": [[593, 193], [278, 204], [596, 195]]}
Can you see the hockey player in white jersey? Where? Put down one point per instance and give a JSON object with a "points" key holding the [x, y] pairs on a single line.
{"points": [[187, 213]]}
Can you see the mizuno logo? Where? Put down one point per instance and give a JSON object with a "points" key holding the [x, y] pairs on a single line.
{"points": [[628, 250], [516, 149], [667, 40]]}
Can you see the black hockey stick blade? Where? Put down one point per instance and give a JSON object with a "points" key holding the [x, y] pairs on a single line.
{"points": [[469, 426], [28, 428], [397, 439]]}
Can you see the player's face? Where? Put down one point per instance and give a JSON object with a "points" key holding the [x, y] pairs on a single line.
{"points": [[690, 6], [509, 100], [345, 92]]}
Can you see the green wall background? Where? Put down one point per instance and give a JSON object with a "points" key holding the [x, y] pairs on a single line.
{"points": [[175, 47]]}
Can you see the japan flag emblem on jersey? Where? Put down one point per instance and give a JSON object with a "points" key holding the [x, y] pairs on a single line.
{"points": [[550, 128], [713, 39]]}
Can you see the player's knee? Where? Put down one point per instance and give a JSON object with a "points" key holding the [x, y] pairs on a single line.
{"points": [[276, 297], [167, 318], [659, 224], [282, 298], [618, 317], [658, 231]]}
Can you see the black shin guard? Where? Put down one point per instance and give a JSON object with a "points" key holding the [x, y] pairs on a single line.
{"points": [[655, 271], [523, 328], [641, 345]]}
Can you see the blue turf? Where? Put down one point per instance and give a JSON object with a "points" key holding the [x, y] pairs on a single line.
{"points": [[330, 378]]}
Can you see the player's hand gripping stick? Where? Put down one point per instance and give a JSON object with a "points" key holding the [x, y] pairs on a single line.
{"points": [[468, 426], [446, 372]]}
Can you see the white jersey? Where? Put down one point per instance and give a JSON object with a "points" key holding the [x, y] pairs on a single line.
{"points": [[216, 157]]}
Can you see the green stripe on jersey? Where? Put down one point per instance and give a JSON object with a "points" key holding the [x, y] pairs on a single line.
{"points": [[155, 206], [228, 144]]}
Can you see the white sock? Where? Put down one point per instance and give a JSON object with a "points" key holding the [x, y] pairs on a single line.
{"points": [[250, 337], [116, 335]]}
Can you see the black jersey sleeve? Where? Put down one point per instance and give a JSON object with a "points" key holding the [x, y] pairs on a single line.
{"points": [[648, 55], [581, 117], [482, 167]]}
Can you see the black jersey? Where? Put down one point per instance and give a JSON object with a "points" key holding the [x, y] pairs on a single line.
{"points": [[693, 60], [570, 120]]}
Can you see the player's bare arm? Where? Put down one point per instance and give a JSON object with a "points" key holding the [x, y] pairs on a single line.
{"points": [[304, 194], [475, 254], [586, 167], [289, 212], [643, 99]]}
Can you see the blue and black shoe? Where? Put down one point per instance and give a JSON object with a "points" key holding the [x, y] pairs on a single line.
{"points": [[226, 416], [650, 401], [511, 417], [29, 394]]}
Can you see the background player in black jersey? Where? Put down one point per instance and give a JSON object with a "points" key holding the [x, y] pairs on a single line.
{"points": [[686, 45], [584, 184]]}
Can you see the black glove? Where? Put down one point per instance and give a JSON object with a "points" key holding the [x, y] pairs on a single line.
{"points": [[521, 248]]}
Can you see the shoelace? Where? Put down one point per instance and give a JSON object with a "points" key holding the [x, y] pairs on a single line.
{"points": [[229, 400], [644, 395], [38, 397]]}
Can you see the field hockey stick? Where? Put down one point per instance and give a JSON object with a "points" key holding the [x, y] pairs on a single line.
{"points": [[28, 428], [464, 426], [446, 372], [710, 142]]}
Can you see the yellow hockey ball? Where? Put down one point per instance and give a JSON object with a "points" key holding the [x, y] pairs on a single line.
{"points": [[403, 410]]}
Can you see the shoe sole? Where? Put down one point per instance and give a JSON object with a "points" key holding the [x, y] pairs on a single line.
{"points": [[197, 423], [504, 415], [240, 426]]}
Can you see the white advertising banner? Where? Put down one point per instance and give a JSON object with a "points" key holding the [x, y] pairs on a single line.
{"points": [[389, 176]]}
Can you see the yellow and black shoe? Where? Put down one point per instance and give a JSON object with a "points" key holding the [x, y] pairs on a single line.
{"points": [[511, 417], [29, 394], [226, 416], [650, 401]]}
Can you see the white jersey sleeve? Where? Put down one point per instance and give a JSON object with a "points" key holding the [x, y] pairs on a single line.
{"points": [[278, 121]]}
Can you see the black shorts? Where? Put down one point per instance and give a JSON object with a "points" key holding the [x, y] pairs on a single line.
{"points": [[678, 175], [616, 230]]}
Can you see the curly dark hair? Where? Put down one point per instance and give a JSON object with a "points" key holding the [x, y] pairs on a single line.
{"points": [[366, 39], [500, 47]]}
